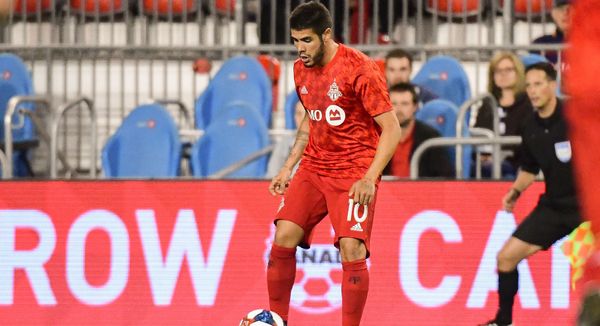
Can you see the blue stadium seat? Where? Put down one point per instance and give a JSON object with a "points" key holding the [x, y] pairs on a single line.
{"points": [[15, 80], [235, 134], [290, 110], [241, 78], [532, 58], [445, 76], [146, 145], [441, 115]]}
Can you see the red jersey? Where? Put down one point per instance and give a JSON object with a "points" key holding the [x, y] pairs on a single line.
{"points": [[341, 100], [400, 162]]}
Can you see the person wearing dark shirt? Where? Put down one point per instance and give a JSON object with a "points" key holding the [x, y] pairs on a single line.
{"points": [[506, 82], [561, 15], [398, 69], [435, 162], [545, 147]]}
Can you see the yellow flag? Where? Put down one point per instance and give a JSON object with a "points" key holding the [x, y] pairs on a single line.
{"points": [[578, 247]]}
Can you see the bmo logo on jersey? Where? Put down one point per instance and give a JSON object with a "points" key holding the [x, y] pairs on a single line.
{"points": [[334, 115]]}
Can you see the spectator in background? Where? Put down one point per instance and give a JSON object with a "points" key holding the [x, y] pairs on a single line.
{"points": [[561, 15], [398, 69], [506, 82], [435, 162]]}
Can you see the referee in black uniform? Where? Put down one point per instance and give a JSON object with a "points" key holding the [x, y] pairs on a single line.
{"points": [[545, 146]]}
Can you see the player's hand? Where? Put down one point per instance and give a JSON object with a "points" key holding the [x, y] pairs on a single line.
{"points": [[509, 200], [280, 182], [363, 191]]}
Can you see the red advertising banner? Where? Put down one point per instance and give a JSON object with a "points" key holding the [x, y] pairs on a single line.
{"points": [[193, 253]]}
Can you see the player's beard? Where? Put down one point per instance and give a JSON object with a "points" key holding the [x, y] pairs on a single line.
{"points": [[318, 57]]}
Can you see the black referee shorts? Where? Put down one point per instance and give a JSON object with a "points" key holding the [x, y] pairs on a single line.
{"points": [[545, 225]]}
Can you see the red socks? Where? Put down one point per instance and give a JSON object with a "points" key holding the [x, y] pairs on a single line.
{"points": [[281, 272], [355, 287]]}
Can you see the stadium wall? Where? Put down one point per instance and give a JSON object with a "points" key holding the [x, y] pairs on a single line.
{"points": [[193, 253]]}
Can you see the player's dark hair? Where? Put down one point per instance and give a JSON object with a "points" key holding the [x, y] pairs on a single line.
{"points": [[546, 67], [405, 87], [399, 54], [311, 15]]}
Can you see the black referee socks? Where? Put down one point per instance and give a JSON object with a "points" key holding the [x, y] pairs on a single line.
{"points": [[508, 285]]}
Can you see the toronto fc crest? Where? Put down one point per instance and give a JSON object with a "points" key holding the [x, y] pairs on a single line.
{"points": [[334, 91]]}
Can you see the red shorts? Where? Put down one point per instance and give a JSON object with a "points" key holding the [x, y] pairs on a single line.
{"points": [[310, 197]]}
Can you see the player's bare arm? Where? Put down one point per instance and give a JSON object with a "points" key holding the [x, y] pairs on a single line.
{"points": [[523, 181], [280, 182], [363, 190]]}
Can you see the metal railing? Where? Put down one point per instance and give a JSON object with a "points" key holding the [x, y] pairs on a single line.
{"points": [[241, 163], [188, 122], [8, 133], [460, 120], [170, 22], [479, 132], [4, 162], [89, 104], [451, 141]]}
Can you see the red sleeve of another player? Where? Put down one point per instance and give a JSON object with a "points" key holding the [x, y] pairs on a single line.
{"points": [[583, 110], [371, 89]]}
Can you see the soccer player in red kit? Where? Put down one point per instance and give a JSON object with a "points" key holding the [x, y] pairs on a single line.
{"points": [[345, 140], [584, 118]]}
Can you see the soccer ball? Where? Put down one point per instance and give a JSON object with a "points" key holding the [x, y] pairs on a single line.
{"points": [[261, 317]]}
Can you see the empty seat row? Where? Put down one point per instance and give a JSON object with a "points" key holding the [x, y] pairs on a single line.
{"points": [[521, 8], [226, 7], [116, 7], [234, 112], [147, 145]]}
